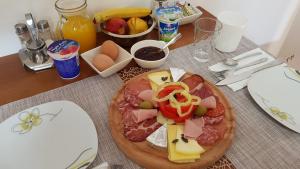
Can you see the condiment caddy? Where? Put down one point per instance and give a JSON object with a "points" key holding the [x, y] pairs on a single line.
{"points": [[33, 54]]}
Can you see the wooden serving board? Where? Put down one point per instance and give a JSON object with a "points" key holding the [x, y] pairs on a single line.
{"points": [[151, 157]]}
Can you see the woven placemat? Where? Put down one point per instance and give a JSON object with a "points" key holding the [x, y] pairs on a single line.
{"points": [[260, 141]]}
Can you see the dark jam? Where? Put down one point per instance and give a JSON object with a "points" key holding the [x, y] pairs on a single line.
{"points": [[150, 53]]}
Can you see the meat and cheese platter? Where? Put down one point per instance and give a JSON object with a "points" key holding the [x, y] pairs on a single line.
{"points": [[171, 119]]}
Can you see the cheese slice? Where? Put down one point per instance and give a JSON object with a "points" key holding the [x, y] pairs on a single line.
{"points": [[176, 73], [153, 85], [159, 137], [160, 78], [191, 147], [163, 120], [173, 154]]}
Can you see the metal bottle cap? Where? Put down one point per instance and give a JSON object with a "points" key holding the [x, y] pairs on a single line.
{"points": [[21, 28], [42, 25]]}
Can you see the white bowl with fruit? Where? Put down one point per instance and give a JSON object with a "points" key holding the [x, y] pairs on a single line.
{"points": [[126, 25], [147, 55]]}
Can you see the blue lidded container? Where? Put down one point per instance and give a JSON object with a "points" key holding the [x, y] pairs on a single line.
{"points": [[65, 56]]}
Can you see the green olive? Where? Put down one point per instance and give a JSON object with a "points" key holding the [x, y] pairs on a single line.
{"points": [[146, 105], [200, 111]]}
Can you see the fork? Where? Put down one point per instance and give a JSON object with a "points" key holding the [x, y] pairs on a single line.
{"points": [[224, 73]]}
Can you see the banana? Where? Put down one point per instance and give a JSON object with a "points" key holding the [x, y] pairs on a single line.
{"points": [[122, 13]]}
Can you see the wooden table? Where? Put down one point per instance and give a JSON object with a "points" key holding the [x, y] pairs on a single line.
{"points": [[17, 83]]}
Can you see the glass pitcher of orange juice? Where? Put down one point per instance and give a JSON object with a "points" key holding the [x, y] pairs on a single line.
{"points": [[75, 24]]}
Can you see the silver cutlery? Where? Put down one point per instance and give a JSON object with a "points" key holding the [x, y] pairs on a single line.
{"points": [[234, 62], [226, 72], [235, 78]]}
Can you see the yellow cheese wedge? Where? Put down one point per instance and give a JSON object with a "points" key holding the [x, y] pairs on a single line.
{"points": [[160, 78], [153, 85], [191, 147], [173, 154]]}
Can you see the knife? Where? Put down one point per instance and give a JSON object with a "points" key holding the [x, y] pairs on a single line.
{"points": [[235, 78]]}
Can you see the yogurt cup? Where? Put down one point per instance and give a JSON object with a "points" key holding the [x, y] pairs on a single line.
{"points": [[168, 22], [65, 56]]}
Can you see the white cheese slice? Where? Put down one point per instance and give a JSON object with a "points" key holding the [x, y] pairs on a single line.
{"points": [[177, 73], [159, 137]]}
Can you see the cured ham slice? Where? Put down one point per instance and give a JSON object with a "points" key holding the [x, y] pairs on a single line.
{"points": [[146, 95], [140, 115], [133, 130], [204, 92], [193, 127], [133, 89], [141, 131], [193, 81], [209, 102]]}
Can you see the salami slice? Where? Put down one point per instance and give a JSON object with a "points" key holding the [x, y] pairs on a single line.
{"points": [[213, 120], [141, 131], [125, 109], [209, 136], [193, 81], [218, 111]]}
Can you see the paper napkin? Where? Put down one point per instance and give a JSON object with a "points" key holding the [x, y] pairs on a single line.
{"points": [[241, 84], [104, 165]]}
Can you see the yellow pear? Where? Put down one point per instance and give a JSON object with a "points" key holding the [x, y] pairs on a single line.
{"points": [[136, 25]]}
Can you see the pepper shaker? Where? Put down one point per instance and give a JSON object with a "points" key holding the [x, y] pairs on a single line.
{"points": [[44, 30], [23, 34]]}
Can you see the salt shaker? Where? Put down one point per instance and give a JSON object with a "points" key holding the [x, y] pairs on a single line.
{"points": [[44, 30], [23, 34]]}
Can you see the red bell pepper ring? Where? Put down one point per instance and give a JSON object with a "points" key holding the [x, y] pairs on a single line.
{"points": [[171, 112]]}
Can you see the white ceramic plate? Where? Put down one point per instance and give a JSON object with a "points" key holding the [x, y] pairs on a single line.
{"points": [[277, 91], [53, 135], [123, 59]]}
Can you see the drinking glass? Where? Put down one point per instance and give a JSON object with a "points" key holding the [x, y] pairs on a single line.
{"points": [[205, 31]]}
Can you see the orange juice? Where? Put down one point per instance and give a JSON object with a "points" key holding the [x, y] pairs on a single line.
{"points": [[80, 29]]}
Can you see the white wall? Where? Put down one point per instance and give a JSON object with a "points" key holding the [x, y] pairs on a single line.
{"points": [[13, 11], [291, 43], [268, 19]]}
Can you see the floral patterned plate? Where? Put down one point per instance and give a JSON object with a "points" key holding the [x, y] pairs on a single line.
{"points": [[57, 134], [277, 91]]}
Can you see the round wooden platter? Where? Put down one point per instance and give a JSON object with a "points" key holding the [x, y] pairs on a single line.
{"points": [[151, 157]]}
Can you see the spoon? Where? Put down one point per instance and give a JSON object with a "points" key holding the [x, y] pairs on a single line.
{"points": [[234, 62], [172, 41]]}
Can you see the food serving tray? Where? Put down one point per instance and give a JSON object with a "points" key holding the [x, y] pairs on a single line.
{"points": [[149, 156]]}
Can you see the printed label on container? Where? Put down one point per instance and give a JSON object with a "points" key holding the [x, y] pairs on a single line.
{"points": [[167, 30], [63, 49], [168, 22], [65, 57]]}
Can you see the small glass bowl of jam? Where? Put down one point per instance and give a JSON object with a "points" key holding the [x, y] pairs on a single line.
{"points": [[147, 53]]}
